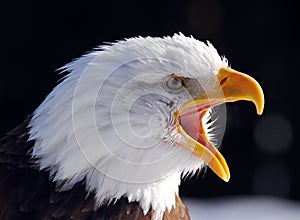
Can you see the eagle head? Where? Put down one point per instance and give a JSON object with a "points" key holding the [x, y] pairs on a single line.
{"points": [[131, 118]]}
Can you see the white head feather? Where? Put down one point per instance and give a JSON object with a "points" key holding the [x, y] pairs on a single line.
{"points": [[109, 122]]}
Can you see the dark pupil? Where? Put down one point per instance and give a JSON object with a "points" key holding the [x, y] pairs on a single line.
{"points": [[175, 83]]}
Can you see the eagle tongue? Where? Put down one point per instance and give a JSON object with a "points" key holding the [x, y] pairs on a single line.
{"points": [[190, 119]]}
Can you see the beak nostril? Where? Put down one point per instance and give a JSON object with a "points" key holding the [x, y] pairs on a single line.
{"points": [[223, 81]]}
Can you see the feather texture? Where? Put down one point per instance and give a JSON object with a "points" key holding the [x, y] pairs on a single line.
{"points": [[29, 194]]}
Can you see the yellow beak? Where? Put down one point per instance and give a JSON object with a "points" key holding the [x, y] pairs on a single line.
{"points": [[236, 86]]}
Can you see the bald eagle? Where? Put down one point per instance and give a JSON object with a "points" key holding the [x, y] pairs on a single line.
{"points": [[114, 138]]}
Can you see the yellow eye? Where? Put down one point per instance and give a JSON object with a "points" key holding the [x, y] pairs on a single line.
{"points": [[175, 83]]}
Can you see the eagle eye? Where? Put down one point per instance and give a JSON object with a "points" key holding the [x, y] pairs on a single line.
{"points": [[175, 83]]}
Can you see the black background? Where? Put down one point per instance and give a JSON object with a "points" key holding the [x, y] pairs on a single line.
{"points": [[259, 38]]}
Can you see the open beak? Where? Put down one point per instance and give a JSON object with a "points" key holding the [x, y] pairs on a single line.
{"points": [[235, 86]]}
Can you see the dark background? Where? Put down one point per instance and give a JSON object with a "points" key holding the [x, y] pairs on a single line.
{"points": [[259, 38]]}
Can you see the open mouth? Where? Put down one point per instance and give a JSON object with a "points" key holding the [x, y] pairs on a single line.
{"points": [[191, 118], [191, 126], [235, 86]]}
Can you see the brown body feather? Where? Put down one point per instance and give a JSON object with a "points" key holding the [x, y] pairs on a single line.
{"points": [[27, 193]]}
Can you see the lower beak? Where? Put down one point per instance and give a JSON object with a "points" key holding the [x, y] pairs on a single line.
{"points": [[236, 86]]}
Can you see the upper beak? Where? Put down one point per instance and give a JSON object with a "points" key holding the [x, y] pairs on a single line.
{"points": [[235, 86]]}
